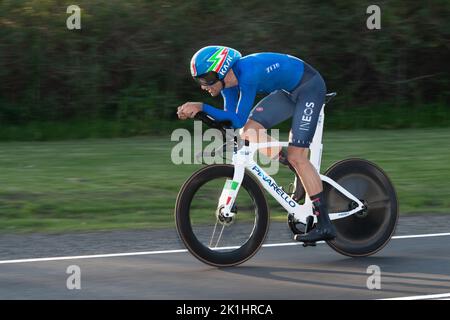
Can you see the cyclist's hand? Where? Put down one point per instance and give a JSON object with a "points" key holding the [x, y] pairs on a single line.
{"points": [[189, 110]]}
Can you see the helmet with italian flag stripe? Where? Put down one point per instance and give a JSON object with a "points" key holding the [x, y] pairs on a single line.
{"points": [[216, 60]]}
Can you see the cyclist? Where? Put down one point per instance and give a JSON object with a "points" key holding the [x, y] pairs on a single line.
{"points": [[295, 90]]}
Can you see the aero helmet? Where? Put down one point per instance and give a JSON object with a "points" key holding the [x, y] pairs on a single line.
{"points": [[211, 64]]}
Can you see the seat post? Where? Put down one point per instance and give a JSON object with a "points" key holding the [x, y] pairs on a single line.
{"points": [[316, 145]]}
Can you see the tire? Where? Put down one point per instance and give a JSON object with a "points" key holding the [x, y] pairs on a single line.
{"points": [[190, 238], [362, 234]]}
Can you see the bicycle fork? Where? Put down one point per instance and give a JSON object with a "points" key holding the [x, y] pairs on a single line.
{"points": [[231, 187]]}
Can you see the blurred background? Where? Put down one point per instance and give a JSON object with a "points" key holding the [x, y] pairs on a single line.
{"points": [[86, 115]]}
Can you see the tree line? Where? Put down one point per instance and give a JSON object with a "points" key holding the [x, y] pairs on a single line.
{"points": [[130, 59]]}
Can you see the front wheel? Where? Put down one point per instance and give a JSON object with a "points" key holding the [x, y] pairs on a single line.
{"points": [[366, 232], [215, 240]]}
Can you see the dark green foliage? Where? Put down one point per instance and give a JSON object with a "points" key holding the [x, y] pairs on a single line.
{"points": [[129, 64]]}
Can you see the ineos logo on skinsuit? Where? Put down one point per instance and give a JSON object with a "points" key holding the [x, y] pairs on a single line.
{"points": [[306, 118]]}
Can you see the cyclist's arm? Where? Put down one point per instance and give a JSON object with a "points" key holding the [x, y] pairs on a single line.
{"points": [[230, 98], [238, 114]]}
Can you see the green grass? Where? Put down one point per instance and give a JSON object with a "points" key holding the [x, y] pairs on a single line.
{"points": [[380, 116], [86, 129], [132, 183]]}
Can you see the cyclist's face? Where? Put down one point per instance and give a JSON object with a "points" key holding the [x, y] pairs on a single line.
{"points": [[214, 90]]}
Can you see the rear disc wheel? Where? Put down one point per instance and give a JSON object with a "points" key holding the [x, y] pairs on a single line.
{"points": [[368, 231]]}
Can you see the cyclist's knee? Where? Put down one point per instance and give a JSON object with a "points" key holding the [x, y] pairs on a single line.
{"points": [[298, 157], [253, 125], [251, 130]]}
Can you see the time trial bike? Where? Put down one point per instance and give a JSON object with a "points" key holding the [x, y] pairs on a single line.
{"points": [[222, 215]]}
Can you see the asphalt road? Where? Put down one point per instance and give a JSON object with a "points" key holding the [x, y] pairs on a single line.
{"points": [[409, 267], [36, 245]]}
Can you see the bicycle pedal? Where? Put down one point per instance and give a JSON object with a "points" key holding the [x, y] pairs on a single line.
{"points": [[309, 244]]}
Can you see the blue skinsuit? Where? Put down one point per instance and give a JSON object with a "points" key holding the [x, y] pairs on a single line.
{"points": [[288, 80]]}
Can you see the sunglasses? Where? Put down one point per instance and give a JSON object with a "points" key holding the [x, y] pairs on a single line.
{"points": [[207, 79]]}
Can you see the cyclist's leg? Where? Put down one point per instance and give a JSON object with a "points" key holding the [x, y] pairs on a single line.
{"points": [[270, 111], [298, 158], [310, 96]]}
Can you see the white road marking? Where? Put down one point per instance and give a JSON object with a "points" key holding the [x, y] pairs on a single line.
{"points": [[422, 236], [425, 297], [92, 256], [184, 250]]}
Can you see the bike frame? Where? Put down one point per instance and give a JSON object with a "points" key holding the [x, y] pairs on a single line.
{"points": [[243, 160]]}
